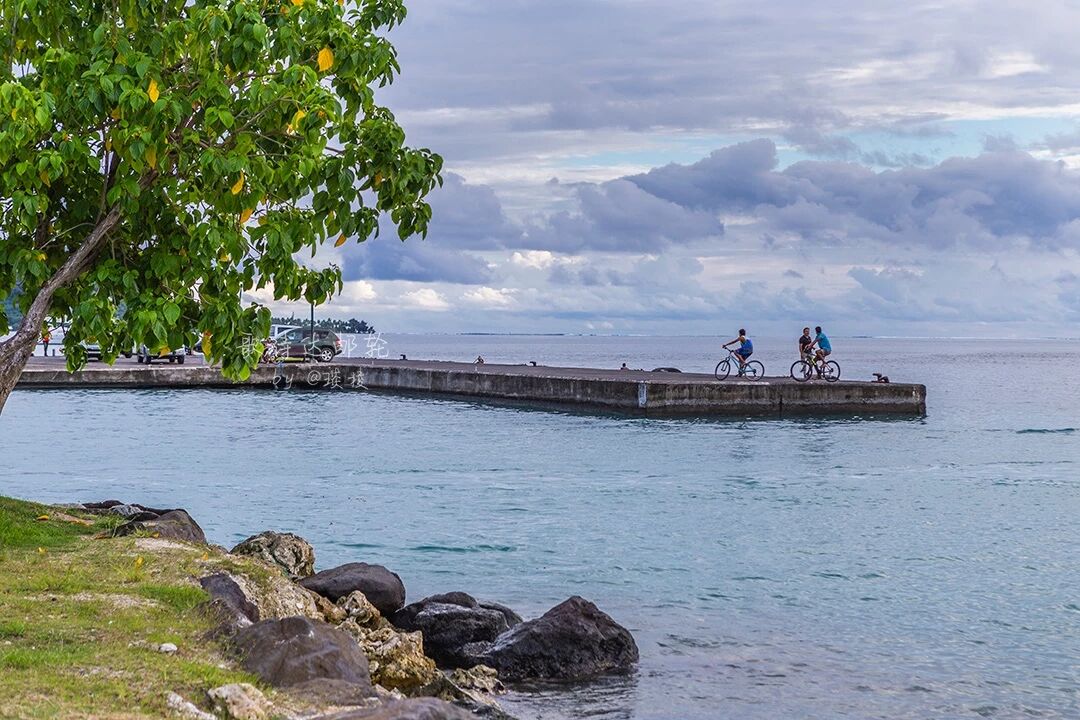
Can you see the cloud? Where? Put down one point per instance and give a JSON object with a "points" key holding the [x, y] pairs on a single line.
{"points": [[425, 299], [490, 297]]}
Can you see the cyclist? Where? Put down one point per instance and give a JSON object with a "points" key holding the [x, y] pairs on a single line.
{"points": [[805, 343], [824, 347], [746, 349]]}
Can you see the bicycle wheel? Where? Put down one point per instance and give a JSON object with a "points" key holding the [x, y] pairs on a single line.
{"points": [[723, 369], [801, 371], [830, 371], [754, 370]]}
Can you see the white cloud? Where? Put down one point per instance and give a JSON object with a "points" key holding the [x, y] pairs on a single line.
{"points": [[1010, 64], [490, 297], [356, 291], [425, 299]]}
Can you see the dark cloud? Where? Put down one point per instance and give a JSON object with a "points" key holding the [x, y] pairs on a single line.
{"points": [[619, 216], [387, 258], [466, 215]]}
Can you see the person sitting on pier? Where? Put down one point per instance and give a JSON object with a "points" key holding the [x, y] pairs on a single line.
{"points": [[746, 348], [824, 347], [479, 360]]}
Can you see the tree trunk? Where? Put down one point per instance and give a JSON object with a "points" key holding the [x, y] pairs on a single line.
{"points": [[16, 350]]}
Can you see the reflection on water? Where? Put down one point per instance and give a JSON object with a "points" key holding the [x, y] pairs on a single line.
{"points": [[832, 568]]}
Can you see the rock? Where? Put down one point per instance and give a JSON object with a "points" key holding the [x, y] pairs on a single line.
{"points": [[396, 659], [228, 602], [479, 678], [456, 627], [290, 552], [296, 649], [277, 597], [412, 709], [133, 512], [322, 692], [333, 614], [475, 689], [167, 648], [572, 641], [185, 709], [173, 525], [240, 701], [383, 588], [357, 607]]}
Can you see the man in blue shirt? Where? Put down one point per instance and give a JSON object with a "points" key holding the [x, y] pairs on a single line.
{"points": [[746, 348], [824, 347]]}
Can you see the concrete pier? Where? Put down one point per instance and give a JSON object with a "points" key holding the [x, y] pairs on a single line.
{"points": [[633, 391]]}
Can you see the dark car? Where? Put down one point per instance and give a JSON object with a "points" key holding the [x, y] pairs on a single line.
{"points": [[298, 343], [145, 356]]}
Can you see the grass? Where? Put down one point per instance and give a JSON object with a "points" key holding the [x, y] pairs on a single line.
{"points": [[82, 615]]}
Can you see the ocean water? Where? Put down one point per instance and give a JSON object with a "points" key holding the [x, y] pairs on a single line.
{"points": [[811, 568]]}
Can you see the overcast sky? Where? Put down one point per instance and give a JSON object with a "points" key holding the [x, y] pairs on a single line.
{"points": [[638, 166]]}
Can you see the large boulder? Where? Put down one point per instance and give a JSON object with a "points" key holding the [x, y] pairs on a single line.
{"points": [[296, 649], [574, 640], [383, 588], [172, 525], [457, 628], [228, 603], [412, 709], [290, 552], [275, 596]]}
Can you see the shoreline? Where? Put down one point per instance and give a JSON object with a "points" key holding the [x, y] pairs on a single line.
{"points": [[254, 632]]}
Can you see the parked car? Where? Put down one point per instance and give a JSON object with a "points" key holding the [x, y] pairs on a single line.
{"points": [[174, 356], [298, 343], [93, 351]]}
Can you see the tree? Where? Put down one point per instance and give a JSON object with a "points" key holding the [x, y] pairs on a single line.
{"points": [[158, 158]]}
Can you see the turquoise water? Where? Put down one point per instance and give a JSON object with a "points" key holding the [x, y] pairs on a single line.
{"points": [[820, 568]]}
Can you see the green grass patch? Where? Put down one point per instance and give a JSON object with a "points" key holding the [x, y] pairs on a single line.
{"points": [[21, 528], [12, 628], [178, 597], [81, 618]]}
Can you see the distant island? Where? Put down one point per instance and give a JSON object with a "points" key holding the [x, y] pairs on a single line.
{"points": [[352, 325]]}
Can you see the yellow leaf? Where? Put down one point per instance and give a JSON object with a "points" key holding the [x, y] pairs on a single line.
{"points": [[14, 113], [340, 240], [43, 517], [152, 91], [246, 215], [41, 257], [164, 351], [45, 178], [238, 186], [41, 550], [206, 343], [224, 257], [151, 157], [298, 3], [263, 219], [326, 59], [205, 556], [139, 561], [108, 144], [115, 114], [300, 115]]}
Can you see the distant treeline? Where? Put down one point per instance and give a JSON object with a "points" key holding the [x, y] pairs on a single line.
{"points": [[352, 325]]}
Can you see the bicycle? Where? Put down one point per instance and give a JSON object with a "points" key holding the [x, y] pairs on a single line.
{"points": [[804, 369], [752, 369]]}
